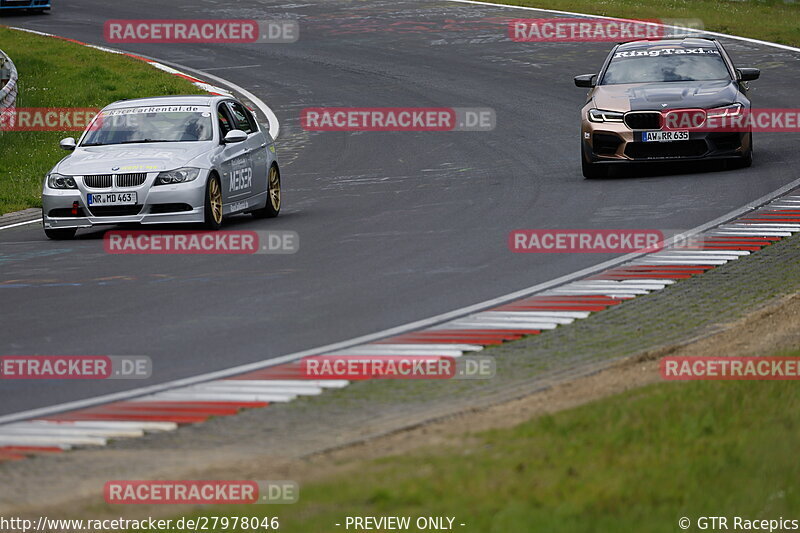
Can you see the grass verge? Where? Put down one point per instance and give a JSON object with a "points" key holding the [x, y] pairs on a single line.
{"points": [[638, 461], [770, 20], [57, 73]]}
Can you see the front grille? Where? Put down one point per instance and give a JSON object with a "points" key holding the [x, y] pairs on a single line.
{"points": [[105, 181], [131, 180], [99, 181], [605, 144], [668, 150], [115, 210], [643, 120]]}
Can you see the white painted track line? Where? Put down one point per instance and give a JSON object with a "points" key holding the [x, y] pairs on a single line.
{"points": [[219, 387], [42, 440], [36, 429], [192, 396], [369, 350], [586, 15], [498, 324], [702, 253], [323, 383], [144, 426], [622, 293], [688, 261], [18, 224], [746, 233], [416, 347], [620, 285], [235, 385], [548, 314], [689, 258], [514, 316]]}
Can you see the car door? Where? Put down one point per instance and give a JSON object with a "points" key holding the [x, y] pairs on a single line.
{"points": [[236, 167], [256, 146]]}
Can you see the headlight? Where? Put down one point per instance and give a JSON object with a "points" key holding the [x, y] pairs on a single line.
{"points": [[728, 111], [59, 181], [181, 175], [599, 115]]}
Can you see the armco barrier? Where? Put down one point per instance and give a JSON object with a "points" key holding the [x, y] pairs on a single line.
{"points": [[8, 86]]}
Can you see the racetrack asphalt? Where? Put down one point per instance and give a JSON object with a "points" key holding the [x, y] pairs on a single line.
{"points": [[394, 227]]}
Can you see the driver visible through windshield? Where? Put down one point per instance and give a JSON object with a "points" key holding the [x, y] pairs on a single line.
{"points": [[665, 64], [150, 124]]}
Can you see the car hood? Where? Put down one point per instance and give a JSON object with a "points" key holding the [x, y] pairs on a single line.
{"points": [[150, 157], [671, 95]]}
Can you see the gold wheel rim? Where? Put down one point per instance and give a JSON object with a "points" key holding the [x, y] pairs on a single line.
{"points": [[215, 198], [274, 189]]}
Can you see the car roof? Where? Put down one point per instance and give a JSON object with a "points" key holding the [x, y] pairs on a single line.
{"points": [[680, 41], [155, 101]]}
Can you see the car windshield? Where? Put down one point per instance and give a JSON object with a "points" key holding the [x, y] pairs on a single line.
{"points": [[150, 124], [665, 65]]}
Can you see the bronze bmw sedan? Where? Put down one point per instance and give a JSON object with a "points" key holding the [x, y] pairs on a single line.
{"points": [[655, 100]]}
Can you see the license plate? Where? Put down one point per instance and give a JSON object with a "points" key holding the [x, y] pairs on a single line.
{"points": [[112, 198], [665, 136]]}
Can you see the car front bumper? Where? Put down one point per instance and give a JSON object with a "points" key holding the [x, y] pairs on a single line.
{"points": [[163, 204], [616, 143]]}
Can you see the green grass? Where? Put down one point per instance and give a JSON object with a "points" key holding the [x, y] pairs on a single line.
{"points": [[57, 73], [637, 461], [770, 20]]}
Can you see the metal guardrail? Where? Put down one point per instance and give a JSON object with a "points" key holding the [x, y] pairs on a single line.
{"points": [[8, 89]]}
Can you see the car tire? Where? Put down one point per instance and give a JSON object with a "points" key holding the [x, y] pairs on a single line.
{"points": [[273, 206], [745, 161], [60, 234], [213, 205], [592, 170]]}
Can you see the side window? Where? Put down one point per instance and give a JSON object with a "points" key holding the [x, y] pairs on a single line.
{"points": [[251, 119], [241, 119], [224, 120]]}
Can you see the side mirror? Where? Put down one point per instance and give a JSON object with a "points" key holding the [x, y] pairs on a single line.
{"points": [[235, 136], [67, 144], [748, 74], [586, 80]]}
